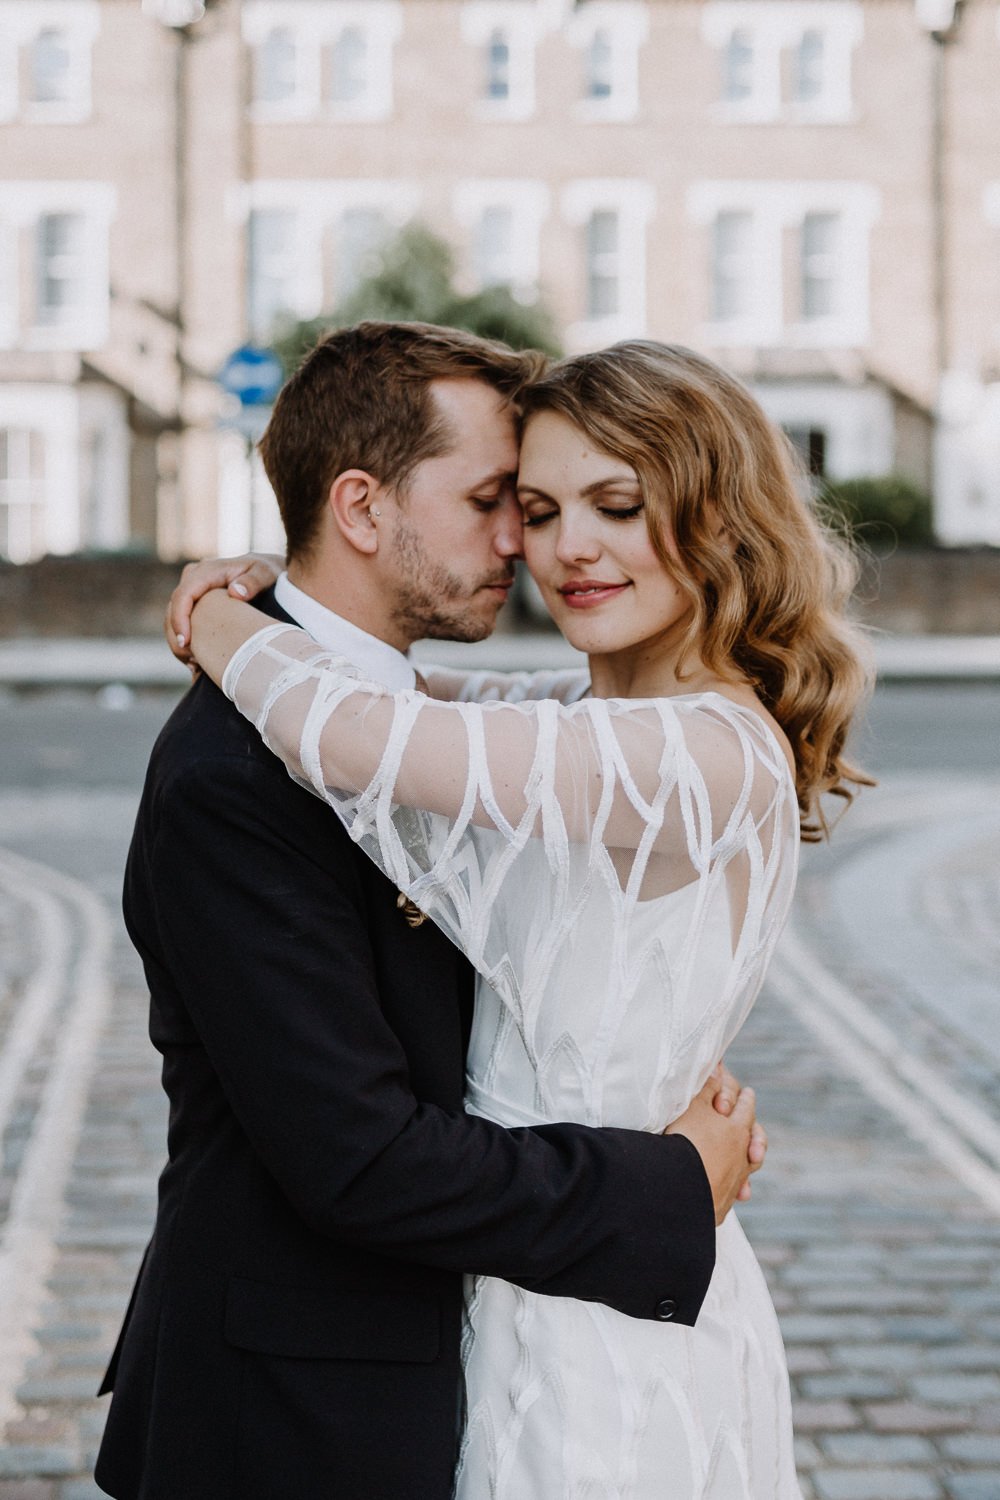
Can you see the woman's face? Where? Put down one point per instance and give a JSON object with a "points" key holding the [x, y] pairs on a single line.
{"points": [[586, 542]]}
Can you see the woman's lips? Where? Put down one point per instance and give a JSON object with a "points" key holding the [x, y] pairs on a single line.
{"points": [[587, 593]]}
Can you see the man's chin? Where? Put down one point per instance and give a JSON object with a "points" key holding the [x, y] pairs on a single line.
{"points": [[464, 630]]}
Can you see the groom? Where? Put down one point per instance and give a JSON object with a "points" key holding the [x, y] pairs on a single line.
{"points": [[294, 1330]]}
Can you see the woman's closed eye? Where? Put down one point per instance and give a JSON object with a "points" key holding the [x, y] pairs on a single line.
{"points": [[613, 513]]}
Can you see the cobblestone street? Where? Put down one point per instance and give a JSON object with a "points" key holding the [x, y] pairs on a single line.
{"points": [[874, 1051]]}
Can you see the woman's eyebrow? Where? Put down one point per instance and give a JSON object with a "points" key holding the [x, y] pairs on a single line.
{"points": [[612, 482]]}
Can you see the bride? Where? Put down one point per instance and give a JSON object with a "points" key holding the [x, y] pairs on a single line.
{"points": [[607, 861]]}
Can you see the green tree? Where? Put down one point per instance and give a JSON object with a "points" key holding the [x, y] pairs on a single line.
{"points": [[412, 280], [881, 511]]}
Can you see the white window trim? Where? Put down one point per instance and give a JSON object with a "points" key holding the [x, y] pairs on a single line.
{"points": [[634, 200], [317, 27], [20, 23], [22, 204], [777, 207], [54, 411], [317, 204], [627, 23], [522, 25], [776, 26], [529, 203], [304, 101]]}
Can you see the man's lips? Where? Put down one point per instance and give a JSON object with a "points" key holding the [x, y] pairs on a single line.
{"points": [[501, 585], [584, 593]]}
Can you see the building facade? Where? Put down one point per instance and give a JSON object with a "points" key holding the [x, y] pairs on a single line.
{"points": [[808, 190]]}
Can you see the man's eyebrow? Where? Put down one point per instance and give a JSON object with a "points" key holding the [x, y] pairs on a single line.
{"points": [[499, 476]]}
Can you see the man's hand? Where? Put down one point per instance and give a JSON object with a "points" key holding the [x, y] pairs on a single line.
{"points": [[244, 577], [721, 1124]]}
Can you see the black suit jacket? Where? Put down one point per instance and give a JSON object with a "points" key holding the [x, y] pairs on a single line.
{"points": [[294, 1329]]}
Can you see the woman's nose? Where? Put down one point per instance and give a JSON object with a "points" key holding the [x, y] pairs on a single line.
{"points": [[576, 541]]}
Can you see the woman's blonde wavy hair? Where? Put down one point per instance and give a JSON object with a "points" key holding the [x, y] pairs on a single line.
{"points": [[767, 582]]}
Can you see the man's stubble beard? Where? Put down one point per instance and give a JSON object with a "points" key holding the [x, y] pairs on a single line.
{"points": [[431, 602]]}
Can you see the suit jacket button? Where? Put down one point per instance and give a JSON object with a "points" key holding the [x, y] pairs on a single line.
{"points": [[665, 1310]]}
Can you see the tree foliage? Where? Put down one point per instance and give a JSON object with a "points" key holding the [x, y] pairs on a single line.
{"points": [[882, 511], [412, 280]]}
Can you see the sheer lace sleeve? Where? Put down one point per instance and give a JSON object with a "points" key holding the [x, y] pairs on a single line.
{"points": [[565, 684], [501, 819]]}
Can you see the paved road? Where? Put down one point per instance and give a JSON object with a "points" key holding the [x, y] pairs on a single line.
{"points": [[875, 1047]]}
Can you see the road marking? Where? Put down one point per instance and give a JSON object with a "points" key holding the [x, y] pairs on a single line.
{"points": [[49, 939], [951, 1126], [28, 1247]]}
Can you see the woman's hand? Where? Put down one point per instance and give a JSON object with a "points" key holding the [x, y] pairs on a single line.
{"points": [[243, 577]]}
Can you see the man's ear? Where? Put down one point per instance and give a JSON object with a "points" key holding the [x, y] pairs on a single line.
{"points": [[353, 503]]}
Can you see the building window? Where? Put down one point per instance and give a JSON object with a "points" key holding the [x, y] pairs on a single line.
{"points": [[45, 58], [497, 86], [737, 68], [503, 220], [22, 494], [810, 444], [600, 66], [51, 68], [732, 234], [603, 270], [273, 268], [609, 34], [504, 34], [334, 57], [349, 67], [361, 233], [750, 228], [820, 265], [494, 245], [61, 273], [276, 68], [784, 59], [807, 68]]}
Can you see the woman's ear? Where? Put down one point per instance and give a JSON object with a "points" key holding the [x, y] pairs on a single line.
{"points": [[353, 502]]}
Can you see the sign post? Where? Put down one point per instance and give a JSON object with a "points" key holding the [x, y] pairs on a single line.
{"points": [[251, 378]]}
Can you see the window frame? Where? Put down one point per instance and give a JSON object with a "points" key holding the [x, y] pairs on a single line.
{"points": [[777, 29], [626, 23], [528, 200], [522, 26], [22, 22], [779, 208], [634, 201]]}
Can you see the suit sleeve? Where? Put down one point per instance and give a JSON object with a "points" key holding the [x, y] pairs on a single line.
{"points": [[268, 943]]}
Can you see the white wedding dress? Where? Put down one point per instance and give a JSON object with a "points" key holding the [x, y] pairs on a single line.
{"points": [[618, 871]]}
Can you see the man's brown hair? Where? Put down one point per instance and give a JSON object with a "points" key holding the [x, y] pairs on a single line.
{"points": [[361, 400]]}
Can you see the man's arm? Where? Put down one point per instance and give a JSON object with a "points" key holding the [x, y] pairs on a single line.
{"points": [[268, 943]]}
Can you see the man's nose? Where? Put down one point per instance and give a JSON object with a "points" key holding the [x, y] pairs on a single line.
{"points": [[508, 539]]}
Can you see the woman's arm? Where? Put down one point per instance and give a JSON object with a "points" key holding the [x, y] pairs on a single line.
{"points": [[671, 776], [450, 685]]}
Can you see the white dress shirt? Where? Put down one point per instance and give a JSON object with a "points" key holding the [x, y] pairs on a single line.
{"points": [[375, 659]]}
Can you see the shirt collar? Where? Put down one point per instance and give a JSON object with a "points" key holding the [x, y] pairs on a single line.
{"points": [[375, 659]]}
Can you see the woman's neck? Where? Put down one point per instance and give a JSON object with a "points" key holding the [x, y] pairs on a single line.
{"points": [[649, 673]]}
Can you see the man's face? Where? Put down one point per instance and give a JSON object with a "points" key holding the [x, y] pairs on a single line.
{"points": [[453, 533]]}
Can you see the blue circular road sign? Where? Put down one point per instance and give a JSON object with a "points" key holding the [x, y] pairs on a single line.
{"points": [[254, 376]]}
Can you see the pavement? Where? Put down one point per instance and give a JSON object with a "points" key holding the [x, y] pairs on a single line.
{"points": [[139, 663], [874, 1048]]}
